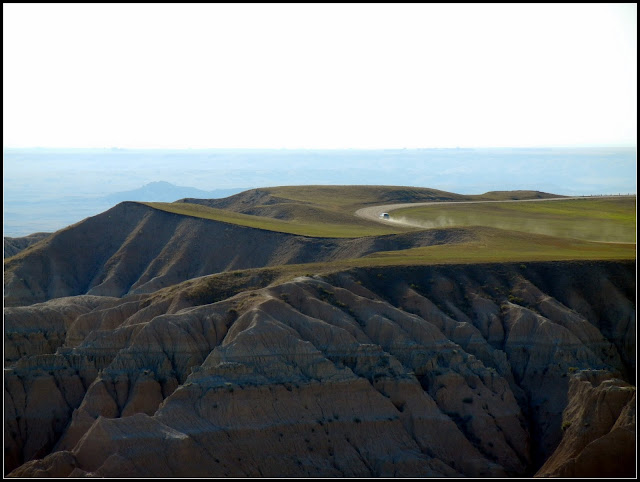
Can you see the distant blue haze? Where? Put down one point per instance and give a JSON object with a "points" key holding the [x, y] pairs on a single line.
{"points": [[48, 189]]}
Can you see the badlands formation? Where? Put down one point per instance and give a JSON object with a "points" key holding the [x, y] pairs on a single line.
{"points": [[169, 346]]}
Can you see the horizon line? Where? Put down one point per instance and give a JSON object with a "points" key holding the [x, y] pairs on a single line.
{"points": [[116, 148]]}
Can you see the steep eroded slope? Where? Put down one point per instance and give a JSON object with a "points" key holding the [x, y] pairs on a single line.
{"points": [[430, 371]]}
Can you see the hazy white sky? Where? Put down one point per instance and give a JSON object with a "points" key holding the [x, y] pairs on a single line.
{"points": [[319, 76]]}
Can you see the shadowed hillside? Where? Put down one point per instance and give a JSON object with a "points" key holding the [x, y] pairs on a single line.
{"points": [[13, 246]]}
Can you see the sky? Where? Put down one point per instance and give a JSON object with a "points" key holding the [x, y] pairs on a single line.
{"points": [[319, 76]]}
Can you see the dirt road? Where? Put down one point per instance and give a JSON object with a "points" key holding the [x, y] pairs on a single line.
{"points": [[373, 212]]}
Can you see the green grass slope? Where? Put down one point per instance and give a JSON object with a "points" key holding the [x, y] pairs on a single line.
{"points": [[504, 232], [287, 202], [321, 210], [317, 223], [512, 195], [481, 246], [477, 245], [325, 211], [604, 219], [502, 246], [345, 199]]}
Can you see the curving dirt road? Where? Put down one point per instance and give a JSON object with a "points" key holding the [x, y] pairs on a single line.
{"points": [[373, 213]]}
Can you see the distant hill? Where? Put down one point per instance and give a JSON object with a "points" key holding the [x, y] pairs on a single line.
{"points": [[24, 216], [13, 246], [326, 203], [338, 203], [502, 195], [166, 192]]}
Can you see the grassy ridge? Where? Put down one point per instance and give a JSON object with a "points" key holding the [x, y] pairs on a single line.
{"points": [[348, 199], [608, 219], [507, 232], [328, 210], [319, 211], [312, 227], [490, 246], [497, 245]]}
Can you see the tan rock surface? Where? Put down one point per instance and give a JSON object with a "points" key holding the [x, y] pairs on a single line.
{"points": [[367, 373], [599, 429]]}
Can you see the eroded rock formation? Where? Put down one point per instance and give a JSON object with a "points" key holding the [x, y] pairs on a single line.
{"points": [[599, 426], [13, 246], [487, 370]]}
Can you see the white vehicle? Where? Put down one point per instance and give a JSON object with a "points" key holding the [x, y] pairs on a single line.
{"points": [[384, 216]]}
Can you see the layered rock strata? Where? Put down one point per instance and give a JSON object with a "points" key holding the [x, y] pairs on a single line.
{"points": [[397, 372]]}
